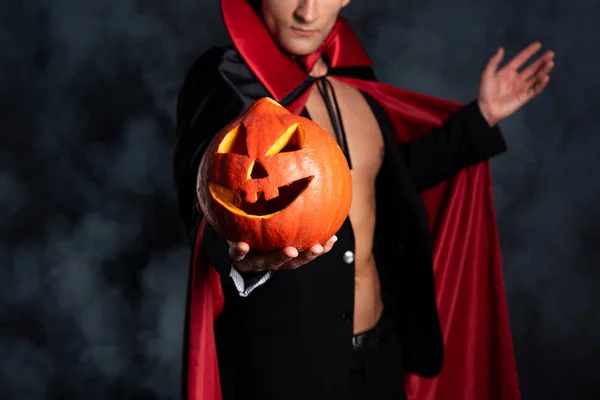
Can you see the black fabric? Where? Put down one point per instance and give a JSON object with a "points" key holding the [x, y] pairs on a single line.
{"points": [[405, 247], [333, 109], [294, 333], [463, 140], [376, 372], [291, 338]]}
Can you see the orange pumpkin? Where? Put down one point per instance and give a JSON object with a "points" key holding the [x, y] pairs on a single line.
{"points": [[274, 179]]}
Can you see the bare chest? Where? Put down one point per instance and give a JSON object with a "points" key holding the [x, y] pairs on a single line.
{"points": [[363, 135]]}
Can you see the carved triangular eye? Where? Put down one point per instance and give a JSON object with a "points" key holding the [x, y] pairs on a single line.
{"points": [[291, 140], [234, 142]]}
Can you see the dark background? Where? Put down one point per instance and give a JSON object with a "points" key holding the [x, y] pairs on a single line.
{"points": [[93, 265]]}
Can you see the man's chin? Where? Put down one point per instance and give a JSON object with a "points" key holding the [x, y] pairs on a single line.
{"points": [[300, 48]]}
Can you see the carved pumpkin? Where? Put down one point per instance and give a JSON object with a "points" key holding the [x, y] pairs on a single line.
{"points": [[274, 179]]}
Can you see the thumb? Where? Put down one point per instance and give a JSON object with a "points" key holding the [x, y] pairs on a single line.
{"points": [[494, 62], [238, 250]]}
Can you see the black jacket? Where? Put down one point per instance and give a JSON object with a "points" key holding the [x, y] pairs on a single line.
{"points": [[293, 334]]}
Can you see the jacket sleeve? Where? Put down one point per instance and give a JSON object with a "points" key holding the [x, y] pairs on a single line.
{"points": [[464, 139], [209, 99]]}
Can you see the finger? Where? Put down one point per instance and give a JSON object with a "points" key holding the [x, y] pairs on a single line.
{"points": [[538, 65], [329, 244], [533, 69], [238, 250], [536, 87], [305, 257], [524, 55], [494, 62], [543, 70], [276, 259], [540, 78], [540, 84], [313, 252]]}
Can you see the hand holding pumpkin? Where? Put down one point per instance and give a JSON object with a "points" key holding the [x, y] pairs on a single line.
{"points": [[275, 183], [287, 258]]}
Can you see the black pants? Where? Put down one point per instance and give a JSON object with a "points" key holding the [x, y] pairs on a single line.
{"points": [[376, 372]]}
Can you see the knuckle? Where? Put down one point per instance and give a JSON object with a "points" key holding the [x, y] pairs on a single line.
{"points": [[276, 264], [285, 266], [259, 265]]}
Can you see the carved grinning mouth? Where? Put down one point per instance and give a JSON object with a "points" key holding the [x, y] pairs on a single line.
{"points": [[234, 200]]}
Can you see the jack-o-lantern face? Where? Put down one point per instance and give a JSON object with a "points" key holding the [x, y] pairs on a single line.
{"points": [[268, 174], [258, 193]]}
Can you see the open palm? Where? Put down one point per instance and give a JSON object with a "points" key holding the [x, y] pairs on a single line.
{"points": [[504, 91]]}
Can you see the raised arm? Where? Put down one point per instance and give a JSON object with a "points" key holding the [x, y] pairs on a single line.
{"points": [[464, 139], [471, 135]]}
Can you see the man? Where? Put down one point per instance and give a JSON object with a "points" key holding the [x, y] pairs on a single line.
{"points": [[343, 320]]}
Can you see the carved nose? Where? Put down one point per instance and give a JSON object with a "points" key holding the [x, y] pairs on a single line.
{"points": [[257, 171]]}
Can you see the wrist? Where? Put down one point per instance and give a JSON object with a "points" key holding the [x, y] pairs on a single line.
{"points": [[485, 111]]}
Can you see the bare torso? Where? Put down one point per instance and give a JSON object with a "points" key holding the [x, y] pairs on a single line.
{"points": [[365, 144]]}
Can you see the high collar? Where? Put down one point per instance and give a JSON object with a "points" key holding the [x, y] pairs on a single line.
{"points": [[279, 72]]}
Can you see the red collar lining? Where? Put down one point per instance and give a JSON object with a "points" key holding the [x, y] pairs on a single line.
{"points": [[277, 71]]}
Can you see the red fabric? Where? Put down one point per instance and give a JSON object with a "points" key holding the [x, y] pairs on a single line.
{"points": [[206, 303], [479, 362]]}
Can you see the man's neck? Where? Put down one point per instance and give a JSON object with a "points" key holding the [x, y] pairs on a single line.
{"points": [[319, 69]]}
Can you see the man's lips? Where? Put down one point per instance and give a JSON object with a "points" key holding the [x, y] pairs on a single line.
{"points": [[304, 32]]}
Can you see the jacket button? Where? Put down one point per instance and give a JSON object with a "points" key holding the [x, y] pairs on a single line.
{"points": [[348, 257], [347, 316]]}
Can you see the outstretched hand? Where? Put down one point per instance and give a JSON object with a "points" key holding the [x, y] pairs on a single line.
{"points": [[503, 91], [245, 260]]}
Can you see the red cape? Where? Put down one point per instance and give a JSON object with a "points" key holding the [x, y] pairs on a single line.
{"points": [[479, 362]]}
